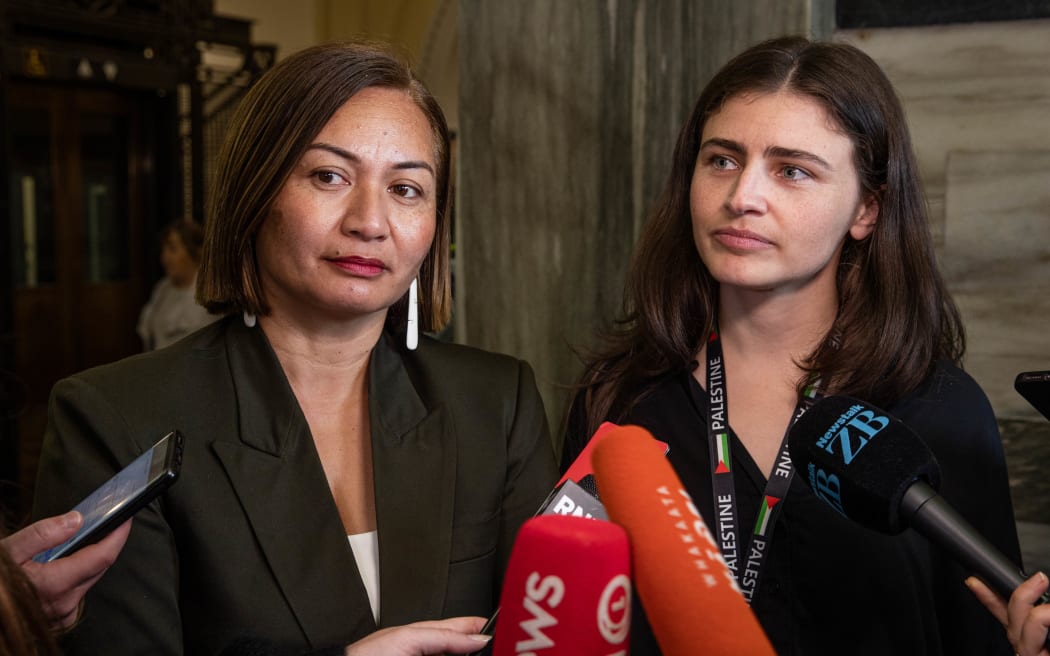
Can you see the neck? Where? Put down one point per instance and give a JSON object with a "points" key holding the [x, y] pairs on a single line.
{"points": [[772, 327], [182, 281], [323, 358]]}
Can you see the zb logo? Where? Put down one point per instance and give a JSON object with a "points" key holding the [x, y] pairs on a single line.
{"points": [[852, 431], [858, 428]]}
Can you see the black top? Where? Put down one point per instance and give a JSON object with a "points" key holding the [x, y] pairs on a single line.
{"points": [[834, 587]]}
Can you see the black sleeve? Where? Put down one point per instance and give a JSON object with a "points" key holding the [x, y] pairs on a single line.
{"points": [[953, 415], [257, 647]]}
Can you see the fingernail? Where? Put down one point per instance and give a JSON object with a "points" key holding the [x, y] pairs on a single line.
{"points": [[1041, 577], [969, 582], [481, 637], [71, 519]]}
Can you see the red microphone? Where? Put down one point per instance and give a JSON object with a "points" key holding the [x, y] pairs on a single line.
{"points": [[581, 468], [567, 590], [689, 595]]}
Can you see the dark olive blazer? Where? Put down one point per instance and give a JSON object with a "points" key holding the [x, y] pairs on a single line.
{"points": [[249, 541]]}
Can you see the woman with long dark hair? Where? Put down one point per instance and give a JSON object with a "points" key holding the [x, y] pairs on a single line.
{"points": [[789, 256]]}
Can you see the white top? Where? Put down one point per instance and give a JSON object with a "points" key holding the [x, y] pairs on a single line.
{"points": [[366, 552], [171, 314]]}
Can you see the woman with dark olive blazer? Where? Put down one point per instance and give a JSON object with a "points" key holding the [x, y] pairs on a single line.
{"points": [[341, 473], [248, 540]]}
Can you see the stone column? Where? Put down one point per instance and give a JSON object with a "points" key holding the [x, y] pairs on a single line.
{"points": [[568, 114]]}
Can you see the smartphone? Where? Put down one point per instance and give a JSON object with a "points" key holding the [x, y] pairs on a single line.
{"points": [[123, 495], [490, 630], [1034, 386]]}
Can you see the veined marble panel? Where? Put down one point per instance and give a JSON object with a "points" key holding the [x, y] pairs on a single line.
{"points": [[996, 260], [984, 86]]}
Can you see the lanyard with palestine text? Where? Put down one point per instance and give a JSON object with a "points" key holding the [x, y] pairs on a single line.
{"points": [[747, 563]]}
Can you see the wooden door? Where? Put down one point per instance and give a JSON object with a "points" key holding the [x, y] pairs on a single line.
{"points": [[81, 243]]}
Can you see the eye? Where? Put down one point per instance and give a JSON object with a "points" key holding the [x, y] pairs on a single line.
{"points": [[722, 163], [794, 173], [330, 178], [405, 190]]}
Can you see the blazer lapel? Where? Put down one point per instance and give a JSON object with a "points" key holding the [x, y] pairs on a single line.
{"points": [[279, 480], [414, 459]]}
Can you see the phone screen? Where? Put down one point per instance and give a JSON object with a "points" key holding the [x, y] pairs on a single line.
{"points": [[116, 496]]}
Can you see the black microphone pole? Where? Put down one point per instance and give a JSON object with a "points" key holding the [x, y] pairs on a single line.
{"points": [[927, 512]]}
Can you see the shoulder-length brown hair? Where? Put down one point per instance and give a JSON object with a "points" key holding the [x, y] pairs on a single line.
{"points": [[271, 128], [895, 316]]}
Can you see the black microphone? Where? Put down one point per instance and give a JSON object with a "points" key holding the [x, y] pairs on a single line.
{"points": [[877, 472]]}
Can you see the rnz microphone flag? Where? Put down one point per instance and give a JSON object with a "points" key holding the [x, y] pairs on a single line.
{"points": [[567, 591], [689, 595]]}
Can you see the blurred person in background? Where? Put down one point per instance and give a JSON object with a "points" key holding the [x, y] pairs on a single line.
{"points": [[172, 311]]}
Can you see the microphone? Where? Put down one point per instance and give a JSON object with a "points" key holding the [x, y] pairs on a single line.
{"points": [[581, 471], [876, 471], [689, 595], [567, 590], [576, 493]]}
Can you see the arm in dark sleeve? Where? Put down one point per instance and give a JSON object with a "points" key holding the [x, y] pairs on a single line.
{"points": [[258, 647], [133, 609]]}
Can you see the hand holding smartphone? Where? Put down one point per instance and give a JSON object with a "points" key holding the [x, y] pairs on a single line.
{"points": [[122, 496]]}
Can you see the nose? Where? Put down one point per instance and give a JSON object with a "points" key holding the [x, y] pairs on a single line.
{"points": [[747, 195], [365, 215]]}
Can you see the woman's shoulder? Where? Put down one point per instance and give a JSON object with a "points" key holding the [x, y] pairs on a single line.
{"points": [[183, 358], [947, 390], [463, 361], [952, 414]]}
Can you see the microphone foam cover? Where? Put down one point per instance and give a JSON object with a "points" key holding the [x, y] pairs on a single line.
{"points": [[567, 589], [581, 468], [689, 595], [860, 460]]}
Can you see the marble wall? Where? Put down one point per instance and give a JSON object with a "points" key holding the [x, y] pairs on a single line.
{"points": [[978, 103], [568, 114]]}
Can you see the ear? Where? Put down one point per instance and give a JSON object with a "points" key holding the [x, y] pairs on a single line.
{"points": [[867, 216]]}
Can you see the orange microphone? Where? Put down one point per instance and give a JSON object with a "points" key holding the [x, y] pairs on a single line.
{"points": [[689, 595]]}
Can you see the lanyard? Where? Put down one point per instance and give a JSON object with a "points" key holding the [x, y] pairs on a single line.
{"points": [[745, 563]]}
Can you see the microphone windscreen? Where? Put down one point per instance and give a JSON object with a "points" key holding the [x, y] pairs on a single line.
{"points": [[690, 597], [567, 590], [581, 469], [860, 460], [574, 500]]}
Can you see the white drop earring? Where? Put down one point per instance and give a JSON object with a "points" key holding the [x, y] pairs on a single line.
{"points": [[412, 334], [249, 319]]}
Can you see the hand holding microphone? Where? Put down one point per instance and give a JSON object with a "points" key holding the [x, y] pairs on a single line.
{"points": [[1027, 621], [876, 471]]}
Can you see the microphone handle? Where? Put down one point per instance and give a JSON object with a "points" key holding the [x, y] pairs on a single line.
{"points": [[927, 512]]}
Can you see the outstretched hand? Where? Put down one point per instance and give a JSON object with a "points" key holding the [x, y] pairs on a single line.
{"points": [[456, 635], [62, 583], [1026, 624]]}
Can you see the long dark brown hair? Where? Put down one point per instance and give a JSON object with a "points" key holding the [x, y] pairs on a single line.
{"points": [[895, 317], [24, 629], [271, 129]]}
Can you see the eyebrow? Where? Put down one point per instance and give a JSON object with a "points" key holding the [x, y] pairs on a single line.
{"points": [[347, 155], [772, 151]]}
